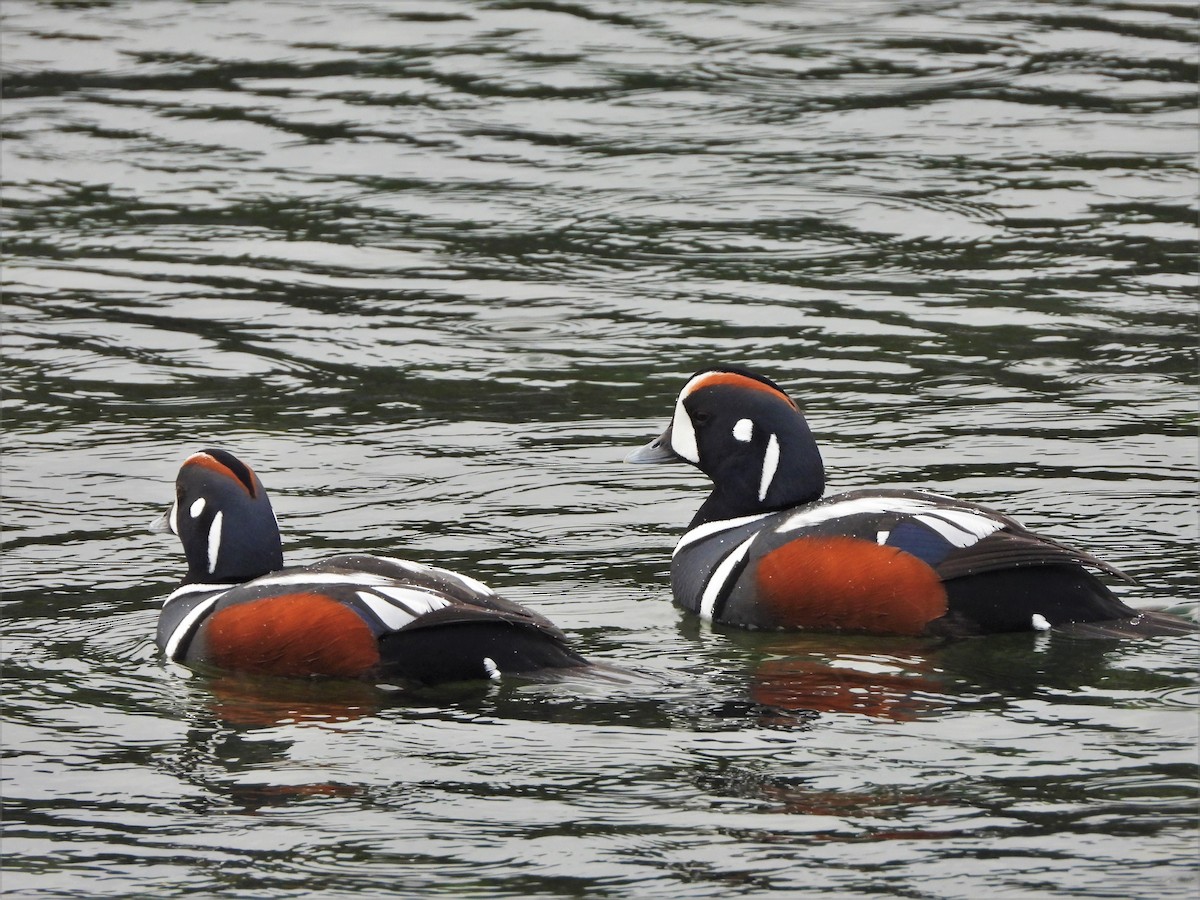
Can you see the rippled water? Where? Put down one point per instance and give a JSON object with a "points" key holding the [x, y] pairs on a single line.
{"points": [[432, 268]]}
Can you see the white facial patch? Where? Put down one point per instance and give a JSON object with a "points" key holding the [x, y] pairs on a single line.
{"points": [[196, 508], [173, 519], [743, 431], [683, 434], [214, 542], [770, 464]]}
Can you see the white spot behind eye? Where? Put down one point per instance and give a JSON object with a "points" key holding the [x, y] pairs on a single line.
{"points": [[770, 464], [743, 431], [214, 542], [196, 508]]}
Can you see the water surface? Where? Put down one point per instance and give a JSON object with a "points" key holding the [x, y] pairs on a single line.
{"points": [[432, 268]]}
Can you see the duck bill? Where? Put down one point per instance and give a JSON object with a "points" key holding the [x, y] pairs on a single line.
{"points": [[657, 451], [162, 524]]}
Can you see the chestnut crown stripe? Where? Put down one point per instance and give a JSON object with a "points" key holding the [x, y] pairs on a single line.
{"points": [[224, 464], [734, 379]]}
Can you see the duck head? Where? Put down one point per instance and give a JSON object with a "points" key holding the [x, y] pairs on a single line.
{"points": [[747, 435], [224, 520]]}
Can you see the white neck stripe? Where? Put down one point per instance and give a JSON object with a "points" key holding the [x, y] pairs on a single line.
{"points": [[770, 465], [710, 528]]}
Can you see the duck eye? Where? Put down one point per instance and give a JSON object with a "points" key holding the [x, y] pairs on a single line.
{"points": [[701, 418]]}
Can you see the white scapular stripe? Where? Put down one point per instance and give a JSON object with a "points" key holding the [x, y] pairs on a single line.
{"points": [[187, 623], [196, 508], [467, 581], [700, 532], [961, 527], [743, 430], [720, 576], [770, 464], [417, 568], [415, 600], [407, 564], [356, 579], [391, 615], [214, 542]]}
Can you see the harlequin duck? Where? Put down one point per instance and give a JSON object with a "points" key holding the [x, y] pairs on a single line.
{"points": [[350, 616], [766, 550]]}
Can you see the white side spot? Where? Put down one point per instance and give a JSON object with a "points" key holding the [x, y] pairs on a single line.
{"points": [[720, 576], [743, 430], [214, 542], [389, 614], [1039, 622], [493, 670], [882, 536], [196, 508], [770, 464]]}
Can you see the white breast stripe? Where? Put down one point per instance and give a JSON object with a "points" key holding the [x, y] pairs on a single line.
{"points": [[720, 576], [710, 528], [770, 464], [391, 615], [187, 624]]}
